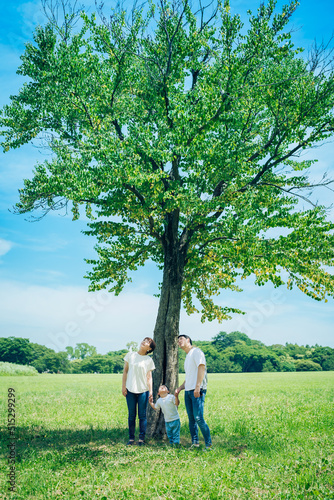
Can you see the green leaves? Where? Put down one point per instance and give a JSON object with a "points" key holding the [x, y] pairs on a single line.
{"points": [[181, 135]]}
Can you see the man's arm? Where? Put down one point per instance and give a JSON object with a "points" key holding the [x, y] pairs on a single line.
{"points": [[179, 389], [200, 377]]}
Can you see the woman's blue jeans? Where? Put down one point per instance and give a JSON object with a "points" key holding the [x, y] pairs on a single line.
{"points": [[133, 400], [195, 411]]}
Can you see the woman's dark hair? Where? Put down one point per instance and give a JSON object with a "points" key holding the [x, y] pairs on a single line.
{"points": [[152, 343]]}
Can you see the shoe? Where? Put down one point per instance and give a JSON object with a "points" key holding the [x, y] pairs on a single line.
{"points": [[130, 442], [194, 445], [209, 447], [141, 443]]}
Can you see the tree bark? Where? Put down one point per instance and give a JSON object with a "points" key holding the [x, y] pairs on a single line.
{"points": [[166, 332]]}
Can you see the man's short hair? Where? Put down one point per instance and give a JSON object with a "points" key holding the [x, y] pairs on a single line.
{"points": [[186, 337]]}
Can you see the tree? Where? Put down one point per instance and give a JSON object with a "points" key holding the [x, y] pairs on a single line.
{"points": [[45, 359], [70, 351], [81, 351], [132, 346], [15, 350], [324, 356], [254, 358], [295, 351], [223, 340], [22, 351], [181, 134], [53, 362], [329, 363], [287, 365], [97, 364], [117, 358], [38, 351]]}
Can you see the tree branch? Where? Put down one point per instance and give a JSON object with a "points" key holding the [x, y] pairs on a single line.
{"points": [[289, 191], [141, 198]]}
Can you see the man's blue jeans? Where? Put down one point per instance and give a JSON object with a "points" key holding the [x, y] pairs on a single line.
{"points": [[195, 410], [133, 400]]}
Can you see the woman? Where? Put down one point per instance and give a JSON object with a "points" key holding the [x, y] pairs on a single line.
{"points": [[137, 387]]}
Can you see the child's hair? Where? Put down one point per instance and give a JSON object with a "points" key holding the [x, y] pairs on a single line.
{"points": [[163, 385]]}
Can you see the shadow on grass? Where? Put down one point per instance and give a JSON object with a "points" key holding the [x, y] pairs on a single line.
{"points": [[83, 443], [95, 444]]}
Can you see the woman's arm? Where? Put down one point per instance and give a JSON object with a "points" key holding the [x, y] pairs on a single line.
{"points": [[125, 375], [149, 382]]}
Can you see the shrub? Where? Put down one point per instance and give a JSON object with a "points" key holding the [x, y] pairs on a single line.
{"points": [[306, 365], [268, 367], [288, 366], [14, 369], [329, 363]]}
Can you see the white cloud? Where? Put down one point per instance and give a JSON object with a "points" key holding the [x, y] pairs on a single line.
{"points": [[273, 316], [32, 15], [10, 58], [58, 317], [5, 246]]}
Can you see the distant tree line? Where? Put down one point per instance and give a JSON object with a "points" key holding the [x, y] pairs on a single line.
{"points": [[227, 353], [236, 352], [81, 359]]}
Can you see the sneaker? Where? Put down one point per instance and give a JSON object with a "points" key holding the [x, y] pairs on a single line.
{"points": [[195, 445], [209, 447], [130, 442], [141, 443]]}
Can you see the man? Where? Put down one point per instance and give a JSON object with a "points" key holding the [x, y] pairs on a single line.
{"points": [[195, 389]]}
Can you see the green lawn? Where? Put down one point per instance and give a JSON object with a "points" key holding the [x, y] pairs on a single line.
{"points": [[273, 436]]}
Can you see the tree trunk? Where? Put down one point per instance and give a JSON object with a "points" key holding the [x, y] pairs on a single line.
{"points": [[166, 332]]}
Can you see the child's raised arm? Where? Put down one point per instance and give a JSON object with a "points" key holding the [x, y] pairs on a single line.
{"points": [[150, 400], [177, 401]]}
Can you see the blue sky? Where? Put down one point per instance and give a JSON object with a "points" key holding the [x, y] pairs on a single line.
{"points": [[43, 295]]}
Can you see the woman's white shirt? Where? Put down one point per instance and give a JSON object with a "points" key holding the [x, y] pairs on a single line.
{"points": [[139, 366]]}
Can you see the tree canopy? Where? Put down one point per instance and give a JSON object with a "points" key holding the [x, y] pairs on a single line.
{"points": [[195, 123]]}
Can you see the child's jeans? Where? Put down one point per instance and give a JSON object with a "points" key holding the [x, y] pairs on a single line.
{"points": [[173, 431]]}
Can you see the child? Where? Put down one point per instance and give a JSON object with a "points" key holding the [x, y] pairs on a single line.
{"points": [[168, 405]]}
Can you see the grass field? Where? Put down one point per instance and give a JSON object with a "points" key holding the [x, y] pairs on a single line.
{"points": [[273, 436]]}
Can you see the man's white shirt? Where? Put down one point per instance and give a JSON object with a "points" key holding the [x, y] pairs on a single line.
{"points": [[194, 358]]}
